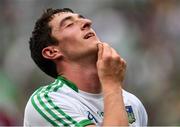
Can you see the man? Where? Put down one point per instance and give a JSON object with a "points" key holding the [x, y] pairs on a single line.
{"points": [[89, 76]]}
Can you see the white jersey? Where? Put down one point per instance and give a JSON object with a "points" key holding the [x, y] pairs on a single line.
{"points": [[63, 104]]}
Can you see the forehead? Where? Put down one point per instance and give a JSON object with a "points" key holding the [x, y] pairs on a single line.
{"points": [[57, 18]]}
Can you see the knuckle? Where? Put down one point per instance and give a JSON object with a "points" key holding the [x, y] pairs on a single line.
{"points": [[123, 61], [116, 57]]}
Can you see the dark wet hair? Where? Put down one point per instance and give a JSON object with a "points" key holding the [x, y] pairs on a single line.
{"points": [[41, 38]]}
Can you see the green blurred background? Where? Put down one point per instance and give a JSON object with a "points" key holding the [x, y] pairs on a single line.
{"points": [[146, 33]]}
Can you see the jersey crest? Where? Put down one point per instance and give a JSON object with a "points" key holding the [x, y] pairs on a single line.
{"points": [[130, 114]]}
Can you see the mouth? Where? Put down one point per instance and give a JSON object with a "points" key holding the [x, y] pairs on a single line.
{"points": [[88, 35]]}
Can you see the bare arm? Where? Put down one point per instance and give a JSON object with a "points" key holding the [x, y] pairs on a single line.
{"points": [[111, 71]]}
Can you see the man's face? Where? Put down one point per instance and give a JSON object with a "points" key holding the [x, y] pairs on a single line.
{"points": [[75, 36]]}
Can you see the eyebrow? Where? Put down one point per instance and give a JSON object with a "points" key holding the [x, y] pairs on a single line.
{"points": [[69, 18]]}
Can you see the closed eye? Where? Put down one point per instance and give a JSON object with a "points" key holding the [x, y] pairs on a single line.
{"points": [[81, 16], [69, 25]]}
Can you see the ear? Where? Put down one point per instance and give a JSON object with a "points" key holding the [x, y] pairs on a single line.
{"points": [[51, 52]]}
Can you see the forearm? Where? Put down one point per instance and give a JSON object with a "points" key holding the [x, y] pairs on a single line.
{"points": [[114, 109], [111, 71]]}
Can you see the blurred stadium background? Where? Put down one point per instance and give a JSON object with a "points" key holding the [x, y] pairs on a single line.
{"points": [[145, 32]]}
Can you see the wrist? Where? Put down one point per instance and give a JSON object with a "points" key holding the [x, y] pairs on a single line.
{"points": [[112, 87]]}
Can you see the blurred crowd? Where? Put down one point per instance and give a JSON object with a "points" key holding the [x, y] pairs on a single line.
{"points": [[146, 34]]}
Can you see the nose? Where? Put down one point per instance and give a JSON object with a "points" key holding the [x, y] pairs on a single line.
{"points": [[86, 24]]}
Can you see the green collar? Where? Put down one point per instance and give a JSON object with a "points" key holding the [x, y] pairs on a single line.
{"points": [[68, 83]]}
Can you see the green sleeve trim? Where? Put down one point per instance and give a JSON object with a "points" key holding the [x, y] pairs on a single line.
{"points": [[47, 106], [43, 109], [37, 108], [85, 122]]}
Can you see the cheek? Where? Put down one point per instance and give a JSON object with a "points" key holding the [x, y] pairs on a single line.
{"points": [[73, 34], [71, 41], [70, 44]]}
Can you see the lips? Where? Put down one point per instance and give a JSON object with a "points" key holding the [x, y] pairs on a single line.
{"points": [[88, 35]]}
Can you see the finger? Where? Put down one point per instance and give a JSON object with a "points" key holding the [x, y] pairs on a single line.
{"points": [[107, 52], [100, 50], [114, 53], [123, 62]]}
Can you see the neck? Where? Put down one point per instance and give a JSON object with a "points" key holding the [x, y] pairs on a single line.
{"points": [[83, 74]]}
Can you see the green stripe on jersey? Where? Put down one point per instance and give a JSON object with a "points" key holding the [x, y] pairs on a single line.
{"points": [[36, 97], [68, 83], [37, 108], [85, 123], [47, 107], [58, 109], [50, 111]]}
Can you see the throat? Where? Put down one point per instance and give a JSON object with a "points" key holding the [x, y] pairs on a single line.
{"points": [[85, 78]]}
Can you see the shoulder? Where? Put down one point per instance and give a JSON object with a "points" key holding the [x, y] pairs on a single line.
{"points": [[131, 99], [48, 97], [49, 105], [36, 107], [32, 116], [54, 105]]}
